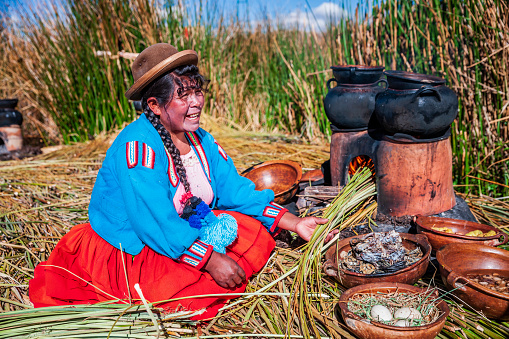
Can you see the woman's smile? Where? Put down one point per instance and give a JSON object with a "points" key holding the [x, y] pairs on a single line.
{"points": [[193, 116], [182, 114]]}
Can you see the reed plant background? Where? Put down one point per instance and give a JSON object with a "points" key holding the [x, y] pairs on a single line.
{"points": [[264, 77]]}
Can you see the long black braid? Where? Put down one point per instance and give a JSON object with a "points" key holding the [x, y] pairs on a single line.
{"points": [[163, 89]]}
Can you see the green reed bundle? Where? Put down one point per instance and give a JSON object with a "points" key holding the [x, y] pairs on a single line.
{"points": [[351, 202], [93, 321]]}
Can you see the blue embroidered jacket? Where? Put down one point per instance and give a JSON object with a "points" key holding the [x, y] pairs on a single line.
{"points": [[132, 200]]}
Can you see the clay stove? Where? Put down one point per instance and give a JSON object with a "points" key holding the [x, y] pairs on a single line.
{"points": [[413, 176], [405, 132]]}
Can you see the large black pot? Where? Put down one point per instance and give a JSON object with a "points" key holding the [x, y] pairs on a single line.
{"points": [[422, 112], [357, 74], [351, 106], [8, 114], [402, 80]]}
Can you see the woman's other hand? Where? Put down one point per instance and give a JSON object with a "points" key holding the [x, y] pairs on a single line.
{"points": [[224, 270]]}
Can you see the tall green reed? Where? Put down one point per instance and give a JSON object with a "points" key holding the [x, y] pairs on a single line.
{"points": [[271, 77], [83, 93]]}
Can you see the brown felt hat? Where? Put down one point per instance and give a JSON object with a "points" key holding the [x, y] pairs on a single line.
{"points": [[153, 62]]}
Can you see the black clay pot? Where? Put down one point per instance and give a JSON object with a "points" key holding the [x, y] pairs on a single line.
{"points": [[357, 74], [351, 106], [8, 114], [401, 80], [422, 112], [8, 103]]}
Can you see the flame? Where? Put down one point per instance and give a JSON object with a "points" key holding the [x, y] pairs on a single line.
{"points": [[360, 162]]}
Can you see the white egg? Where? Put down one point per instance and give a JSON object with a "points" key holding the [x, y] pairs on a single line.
{"points": [[381, 313], [402, 323], [407, 313]]}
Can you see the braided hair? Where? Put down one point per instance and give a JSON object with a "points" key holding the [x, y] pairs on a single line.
{"points": [[163, 89]]}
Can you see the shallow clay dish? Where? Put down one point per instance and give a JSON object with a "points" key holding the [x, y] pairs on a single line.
{"points": [[363, 329], [438, 239], [281, 176], [407, 275], [457, 261]]}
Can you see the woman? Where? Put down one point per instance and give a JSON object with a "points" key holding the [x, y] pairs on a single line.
{"points": [[150, 221]]}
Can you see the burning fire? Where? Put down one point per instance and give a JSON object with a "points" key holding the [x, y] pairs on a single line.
{"points": [[360, 162]]}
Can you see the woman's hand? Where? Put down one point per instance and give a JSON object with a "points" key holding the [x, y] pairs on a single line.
{"points": [[224, 270], [304, 227]]}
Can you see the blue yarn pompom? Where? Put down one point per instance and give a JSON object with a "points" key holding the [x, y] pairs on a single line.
{"points": [[202, 209], [220, 233], [195, 221]]}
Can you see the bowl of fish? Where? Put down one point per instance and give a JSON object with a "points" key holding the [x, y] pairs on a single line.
{"points": [[378, 257], [443, 231], [393, 310], [478, 275]]}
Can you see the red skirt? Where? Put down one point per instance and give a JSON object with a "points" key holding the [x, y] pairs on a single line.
{"points": [[85, 269]]}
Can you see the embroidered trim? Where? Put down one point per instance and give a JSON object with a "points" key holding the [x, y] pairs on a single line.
{"points": [[197, 255], [272, 210], [276, 222], [198, 248], [201, 153], [172, 171], [189, 260], [149, 156], [132, 154], [273, 204], [221, 151]]}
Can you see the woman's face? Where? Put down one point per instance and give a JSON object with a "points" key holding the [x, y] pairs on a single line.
{"points": [[182, 113]]}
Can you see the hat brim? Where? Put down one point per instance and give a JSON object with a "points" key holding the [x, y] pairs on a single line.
{"points": [[187, 57]]}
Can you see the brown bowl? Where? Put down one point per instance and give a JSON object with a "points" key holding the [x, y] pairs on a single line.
{"points": [[281, 176], [438, 239], [312, 175], [374, 330], [407, 275], [458, 260]]}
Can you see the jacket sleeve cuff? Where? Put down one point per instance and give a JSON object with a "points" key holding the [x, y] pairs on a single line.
{"points": [[197, 254], [274, 211]]}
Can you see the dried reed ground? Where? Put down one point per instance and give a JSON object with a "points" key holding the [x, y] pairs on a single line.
{"points": [[43, 197]]}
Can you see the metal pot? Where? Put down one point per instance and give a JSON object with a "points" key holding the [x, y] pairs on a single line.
{"points": [[408, 80], [351, 106], [426, 111], [357, 74]]}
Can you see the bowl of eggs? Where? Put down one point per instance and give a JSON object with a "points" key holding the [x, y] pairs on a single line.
{"points": [[393, 310]]}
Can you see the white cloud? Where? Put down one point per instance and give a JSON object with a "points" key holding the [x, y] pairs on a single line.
{"points": [[318, 19]]}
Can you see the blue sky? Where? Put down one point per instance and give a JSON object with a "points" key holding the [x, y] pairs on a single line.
{"points": [[312, 14], [306, 13]]}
